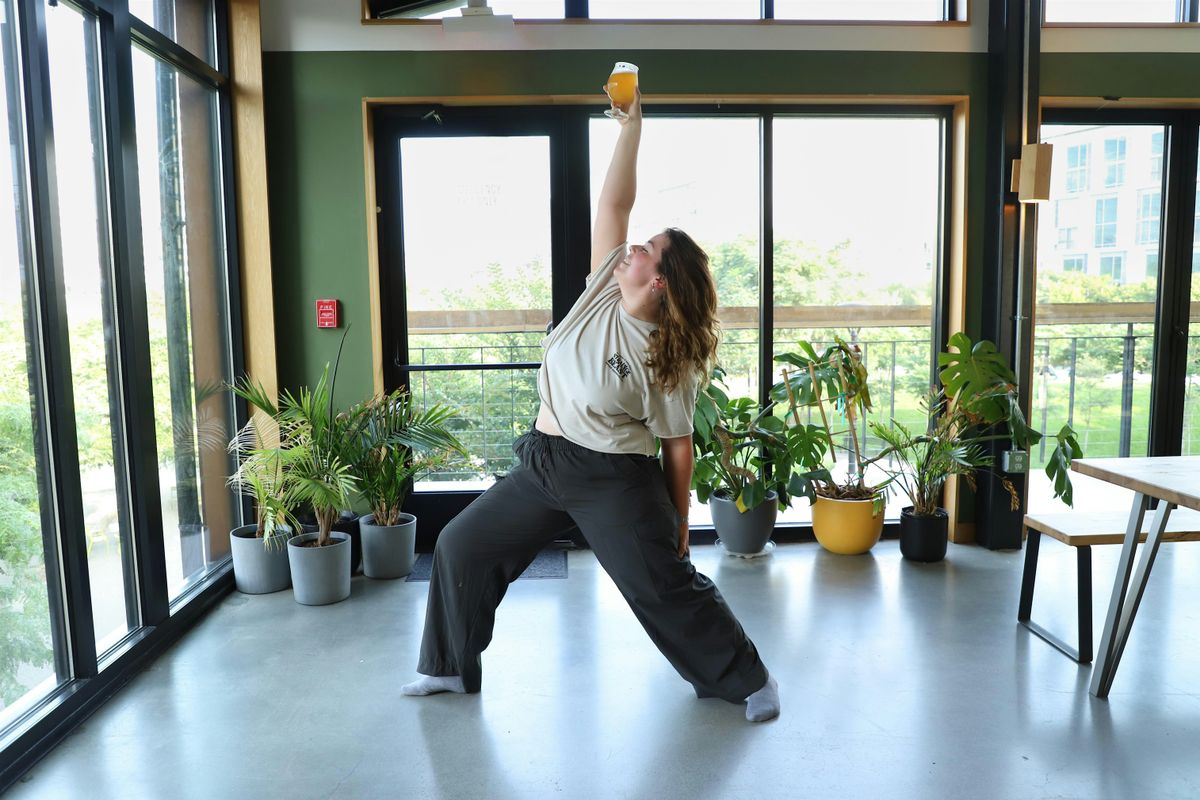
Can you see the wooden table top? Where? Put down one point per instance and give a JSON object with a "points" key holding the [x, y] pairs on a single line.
{"points": [[1175, 479]]}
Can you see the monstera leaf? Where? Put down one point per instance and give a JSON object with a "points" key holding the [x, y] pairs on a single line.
{"points": [[977, 377], [1058, 466]]}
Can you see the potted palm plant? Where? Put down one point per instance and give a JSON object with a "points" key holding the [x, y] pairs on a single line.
{"points": [[397, 442], [260, 562], [316, 450], [847, 514], [978, 403], [749, 464]]}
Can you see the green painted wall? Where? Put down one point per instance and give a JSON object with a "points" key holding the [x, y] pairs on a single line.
{"points": [[315, 160], [1173, 75]]}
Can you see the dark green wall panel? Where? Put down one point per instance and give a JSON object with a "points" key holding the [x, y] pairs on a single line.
{"points": [[315, 159], [1121, 74]]}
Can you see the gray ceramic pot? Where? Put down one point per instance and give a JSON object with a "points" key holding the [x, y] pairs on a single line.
{"points": [[388, 551], [259, 567], [320, 575], [745, 533]]}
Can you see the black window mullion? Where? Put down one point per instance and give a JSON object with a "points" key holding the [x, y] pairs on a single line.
{"points": [[940, 334], [568, 272], [766, 236], [575, 9], [146, 575], [64, 542], [109, 266], [768, 9], [1168, 385]]}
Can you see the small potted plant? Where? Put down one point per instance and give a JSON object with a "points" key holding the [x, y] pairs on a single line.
{"points": [[749, 464], [397, 443], [978, 403], [260, 561], [316, 451], [847, 515]]}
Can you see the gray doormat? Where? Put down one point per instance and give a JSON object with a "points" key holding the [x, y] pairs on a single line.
{"points": [[547, 564]]}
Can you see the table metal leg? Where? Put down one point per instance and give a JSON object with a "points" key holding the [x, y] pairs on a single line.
{"points": [[1101, 672], [1145, 563]]}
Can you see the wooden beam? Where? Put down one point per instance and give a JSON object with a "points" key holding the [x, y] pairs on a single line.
{"points": [[250, 165], [960, 532]]}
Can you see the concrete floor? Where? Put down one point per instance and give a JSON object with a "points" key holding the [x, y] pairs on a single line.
{"points": [[898, 680]]}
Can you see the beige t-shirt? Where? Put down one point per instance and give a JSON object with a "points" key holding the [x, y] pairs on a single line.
{"points": [[594, 377]]}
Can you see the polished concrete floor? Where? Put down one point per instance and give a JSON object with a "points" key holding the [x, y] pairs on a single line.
{"points": [[898, 680]]}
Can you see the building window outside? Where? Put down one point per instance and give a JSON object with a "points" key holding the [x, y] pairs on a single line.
{"points": [[1112, 265], [1106, 222], [1078, 157], [1114, 162], [1151, 264], [1066, 238], [1156, 156], [1075, 263], [1149, 213]]}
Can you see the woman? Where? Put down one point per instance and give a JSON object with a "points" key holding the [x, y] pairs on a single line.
{"points": [[622, 369]]}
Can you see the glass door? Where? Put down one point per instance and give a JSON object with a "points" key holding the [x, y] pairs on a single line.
{"points": [[1099, 248]]}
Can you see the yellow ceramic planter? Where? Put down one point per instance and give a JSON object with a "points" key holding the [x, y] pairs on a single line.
{"points": [[847, 527]]}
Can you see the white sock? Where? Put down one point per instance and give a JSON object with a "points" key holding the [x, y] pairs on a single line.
{"points": [[430, 684], [764, 704]]}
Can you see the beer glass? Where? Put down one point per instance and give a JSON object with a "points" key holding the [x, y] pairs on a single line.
{"points": [[622, 89]]}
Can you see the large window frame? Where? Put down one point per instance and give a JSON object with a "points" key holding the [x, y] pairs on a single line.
{"points": [[571, 210], [1172, 304], [85, 678]]}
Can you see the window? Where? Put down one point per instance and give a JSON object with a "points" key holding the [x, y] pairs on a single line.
{"points": [[517, 9], [1066, 222], [479, 301], [1075, 263], [673, 9], [188, 22], [856, 252], [1077, 167], [1156, 156], [73, 42], [930, 10], [96, 357], [1114, 162], [191, 361], [1151, 264], [1112, 265], [1112, 11], [1149, 211], [1106, 222], [27, 670], [1196, 221]]}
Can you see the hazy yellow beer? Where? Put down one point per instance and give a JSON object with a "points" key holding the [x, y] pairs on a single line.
{"points": [[622, 88]]}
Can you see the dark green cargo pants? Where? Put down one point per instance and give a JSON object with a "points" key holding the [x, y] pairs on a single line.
{"points": [[621, 505]]}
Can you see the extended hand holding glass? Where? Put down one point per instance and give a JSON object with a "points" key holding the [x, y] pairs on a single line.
{"points": [[622, 89]]}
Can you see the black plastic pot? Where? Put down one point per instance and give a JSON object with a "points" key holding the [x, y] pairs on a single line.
{"points": [[923, 538]]}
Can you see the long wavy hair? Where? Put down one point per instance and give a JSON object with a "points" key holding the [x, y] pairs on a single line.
{"points": [[685, 343]]}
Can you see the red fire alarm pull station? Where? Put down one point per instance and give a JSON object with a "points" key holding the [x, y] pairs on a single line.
{"points": [[327, 314]]}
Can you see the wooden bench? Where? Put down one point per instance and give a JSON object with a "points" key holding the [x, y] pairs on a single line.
{"points": [[1083, 530]]}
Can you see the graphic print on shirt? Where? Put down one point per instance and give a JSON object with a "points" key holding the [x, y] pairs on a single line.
{"points": [[618, 365]]}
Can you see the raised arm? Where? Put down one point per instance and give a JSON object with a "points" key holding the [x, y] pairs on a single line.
{"points": [[620, 188]]}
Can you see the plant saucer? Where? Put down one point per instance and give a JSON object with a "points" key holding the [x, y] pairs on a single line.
{"points": [[766, 551]]}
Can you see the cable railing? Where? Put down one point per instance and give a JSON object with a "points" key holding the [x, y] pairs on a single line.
{"points": [[1098, 383]]}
